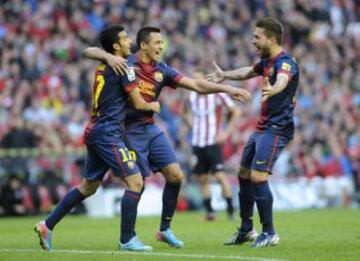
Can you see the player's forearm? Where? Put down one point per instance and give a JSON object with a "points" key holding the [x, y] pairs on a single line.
{"points": [[239, 74], [143, 106], [280, 84], [205, 87], [96, 53]]}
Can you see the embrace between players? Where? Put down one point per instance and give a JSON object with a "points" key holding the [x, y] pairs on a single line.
{"points": [[143, 147]]}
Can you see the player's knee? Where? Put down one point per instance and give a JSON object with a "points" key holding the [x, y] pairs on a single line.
{"points": [[259, 176], [88, 188], [203, 179], [244, 173], [135, 183], [220, 177], [178, 177], [173, 174]]}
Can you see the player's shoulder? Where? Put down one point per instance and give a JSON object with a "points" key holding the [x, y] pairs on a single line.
{"points": [[132, 59], [287, 57], [162, 66]]}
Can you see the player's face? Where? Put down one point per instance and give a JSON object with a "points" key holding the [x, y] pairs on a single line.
{"points": [[124, 43], [155, 47], [261, 42]]}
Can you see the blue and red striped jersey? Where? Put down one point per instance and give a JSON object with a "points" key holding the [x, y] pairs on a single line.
{"points": [[277, 112], [151, 79], [109, 104]]}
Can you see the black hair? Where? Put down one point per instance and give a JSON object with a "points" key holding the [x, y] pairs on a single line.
{"points": [[272, 28], [109, 36], [144, 34]]}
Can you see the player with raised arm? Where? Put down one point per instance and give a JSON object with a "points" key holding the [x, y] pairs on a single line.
{"points": [[275, 129], [142, 134], [105, 146]]}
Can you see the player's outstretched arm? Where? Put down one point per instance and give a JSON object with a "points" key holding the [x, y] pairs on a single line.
{"points": [[205, 87], [117, 63], [140, 104], [242, 73]]}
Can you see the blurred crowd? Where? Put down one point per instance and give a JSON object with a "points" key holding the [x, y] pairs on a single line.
{"points": [[45, 82]]}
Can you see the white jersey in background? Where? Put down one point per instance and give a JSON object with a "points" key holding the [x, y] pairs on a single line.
{"points": [[206, 113]]}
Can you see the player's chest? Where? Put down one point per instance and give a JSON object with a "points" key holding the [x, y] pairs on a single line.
{"points": [[270, 72], [150, 82]]}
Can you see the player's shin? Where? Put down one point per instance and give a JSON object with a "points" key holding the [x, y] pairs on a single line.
{"points": [[129, 204], [247, 201], [264, 201], [71, 199], [170, 197]]}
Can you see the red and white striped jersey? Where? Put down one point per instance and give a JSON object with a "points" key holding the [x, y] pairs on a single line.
{"points": [[206, 114]]}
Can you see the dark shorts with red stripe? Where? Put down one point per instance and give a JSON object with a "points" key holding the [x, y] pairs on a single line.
{"points": [[262, 150], [153, 149], [102, 156]]}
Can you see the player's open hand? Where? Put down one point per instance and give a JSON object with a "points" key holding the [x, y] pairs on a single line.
{"points": [[216, 76], [266, 91], [239, 94], [117, 63], [156, 107]]}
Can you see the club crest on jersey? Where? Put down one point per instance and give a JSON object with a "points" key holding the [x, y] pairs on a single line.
{"points": [[271, 71], [131, 74], [159, 77]]}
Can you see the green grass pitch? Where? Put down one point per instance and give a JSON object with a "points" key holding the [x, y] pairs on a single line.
{"points": [[305, 235]]}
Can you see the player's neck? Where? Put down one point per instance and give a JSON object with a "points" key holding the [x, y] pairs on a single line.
{"points": [[275, 51], [144, 58], [118, 53]]}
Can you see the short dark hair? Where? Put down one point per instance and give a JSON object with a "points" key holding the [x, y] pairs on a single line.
{"points": [[272, 28], [109, 36], [144, 34]]}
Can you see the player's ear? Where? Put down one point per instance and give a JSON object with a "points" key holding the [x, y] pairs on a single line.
{"points": [[143, 45], [116, 46]]}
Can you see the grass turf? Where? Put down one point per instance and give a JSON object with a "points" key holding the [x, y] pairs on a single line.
{"points": [[305, 235]]}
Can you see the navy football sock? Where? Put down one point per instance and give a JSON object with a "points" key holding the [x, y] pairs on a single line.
{"points": [[247, 201], [170, 197], [71, 199], [230, 207], [129, 204], [207, 205], [264, 200]]}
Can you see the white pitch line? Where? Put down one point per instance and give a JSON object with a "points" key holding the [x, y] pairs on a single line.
{"points": [[161, 254]]}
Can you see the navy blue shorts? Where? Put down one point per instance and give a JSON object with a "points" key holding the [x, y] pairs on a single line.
{"points": [[153, 150], [262, 150], [102, 156]]}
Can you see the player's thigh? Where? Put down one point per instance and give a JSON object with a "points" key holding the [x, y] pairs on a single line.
{"points": [[202, 164], [95, 166], [161, 152], [248, 154], [268, 149], [138, 144], [215, 155], [118, 157]]}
